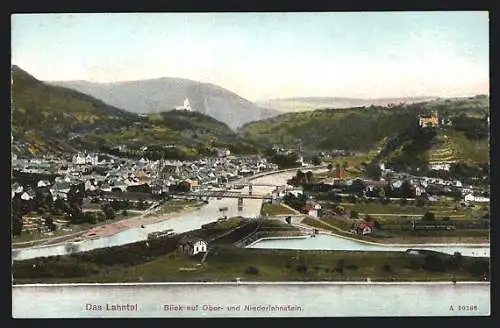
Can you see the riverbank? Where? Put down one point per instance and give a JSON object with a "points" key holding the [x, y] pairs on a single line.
{"points": [[113, 228], [403, 241], [226, 263], [137, 222], [253, 283]]}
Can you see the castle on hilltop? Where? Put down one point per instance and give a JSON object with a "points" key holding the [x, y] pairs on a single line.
{"points": [[186, 106], [429, 121]]}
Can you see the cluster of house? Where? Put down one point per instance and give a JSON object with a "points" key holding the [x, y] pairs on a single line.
{"points": [[37, 223], [105, 174], [432, 120]]}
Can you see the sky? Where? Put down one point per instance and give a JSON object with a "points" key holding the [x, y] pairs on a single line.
{"points": [[265, 55]]}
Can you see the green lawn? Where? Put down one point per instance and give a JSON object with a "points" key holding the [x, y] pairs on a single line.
{"points": [[228, 263], [173, 205], [275, 209], [378, 210]]}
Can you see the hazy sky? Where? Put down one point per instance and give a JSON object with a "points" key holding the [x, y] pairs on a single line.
{"points": [[265, 55]]}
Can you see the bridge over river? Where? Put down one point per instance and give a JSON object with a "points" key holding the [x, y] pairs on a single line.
{"points": [[223, 194]]}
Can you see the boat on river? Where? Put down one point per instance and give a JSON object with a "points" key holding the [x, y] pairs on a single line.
{"points": [[161, 234]]}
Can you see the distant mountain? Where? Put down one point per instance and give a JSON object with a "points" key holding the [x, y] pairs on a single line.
{"points": [[312, 103], [54, 119], [163, 94]]}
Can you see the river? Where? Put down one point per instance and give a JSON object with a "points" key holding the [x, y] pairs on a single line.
{"points": [[182, 223], [210, 212], [213, 300], [327, 242], [253, 300]]}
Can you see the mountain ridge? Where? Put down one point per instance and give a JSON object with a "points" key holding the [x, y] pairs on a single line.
{"points": [[54, 119], [167, 93], [298, 104]]}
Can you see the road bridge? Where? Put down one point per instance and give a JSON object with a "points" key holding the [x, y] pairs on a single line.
{"points": [[223, 194]]}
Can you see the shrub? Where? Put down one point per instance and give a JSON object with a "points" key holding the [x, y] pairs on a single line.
{"points": [[434, 263], [302, 268], [340, 266], [252, 270], [352, 267], [387, 268]]}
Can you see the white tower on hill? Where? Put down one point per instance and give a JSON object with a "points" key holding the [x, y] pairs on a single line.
{"points": [[187, 106]]}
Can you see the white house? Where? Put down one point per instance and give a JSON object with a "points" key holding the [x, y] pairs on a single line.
{"points": [[296, 193], [440, 167], [200, 247], [92, 159], [43, 183], [193, 247], [90, 185], [27, 196], [397, 184], [419, 191], [79, 159], [472, 198]]}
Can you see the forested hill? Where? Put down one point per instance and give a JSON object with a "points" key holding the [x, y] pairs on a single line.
{"points": [[44, 115], [360, 128], [52, 119], [353, 128]]}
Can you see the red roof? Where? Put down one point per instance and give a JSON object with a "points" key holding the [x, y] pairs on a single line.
{"points": [[364, 224]]}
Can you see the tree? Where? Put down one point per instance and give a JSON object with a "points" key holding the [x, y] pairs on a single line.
{"points": [[301, 177], [354, 214], [17, 224], [433, 263], [420, 202], [252, 270], [387, 268], [340, 266], [309, 176], [184, 186], [373, 171], [428, 216], [49, 222], [357, 187], [406, 191], [456, 261], [302, 268], [316, 160], [108, 211]]}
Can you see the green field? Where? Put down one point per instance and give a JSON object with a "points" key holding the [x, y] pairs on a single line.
{"points": [[229, 263], [275, 209], [391, 210]]}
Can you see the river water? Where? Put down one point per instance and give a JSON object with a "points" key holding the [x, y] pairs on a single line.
{"points": [[326, 242], [230, 300], [210, 212], [213, 300], [182, 223]]}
